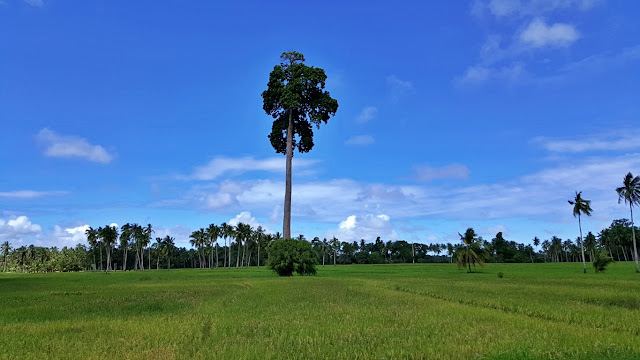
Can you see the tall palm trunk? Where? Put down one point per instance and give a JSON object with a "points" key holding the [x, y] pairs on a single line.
{"points": [[633, 232], [286, 222], [239, 248], [258, 254], [584, 263], [100, 247], [217, 255]]}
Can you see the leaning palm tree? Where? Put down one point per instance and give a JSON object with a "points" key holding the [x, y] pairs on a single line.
{"points": [[630, 192], [581, 206], [5, 247], [470, 250]]}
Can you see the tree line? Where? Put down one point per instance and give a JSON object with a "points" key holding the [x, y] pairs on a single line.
{"points": [[247, 246]]}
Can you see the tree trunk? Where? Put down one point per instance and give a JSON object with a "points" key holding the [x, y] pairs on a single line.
{"points": [[334, 258], [633, 236], [286, 221], [124, 262], [217, 255], [168, 262], [239, 248], [100, 246], [258, 254], [584, 263]]}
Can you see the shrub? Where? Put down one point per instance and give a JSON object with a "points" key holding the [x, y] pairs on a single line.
{"points": [[500, 275], [289, 255], [601, 260]]}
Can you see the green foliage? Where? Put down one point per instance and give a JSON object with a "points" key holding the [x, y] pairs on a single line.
{"points": [[601, 261], [500, 274], [471, 251], [296, 90], [287, 256]]}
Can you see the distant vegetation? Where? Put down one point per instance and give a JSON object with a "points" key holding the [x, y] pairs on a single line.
{"points": [[247, 247]]}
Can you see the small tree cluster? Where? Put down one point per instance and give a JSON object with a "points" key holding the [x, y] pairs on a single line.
{"points": [[289, 255]]}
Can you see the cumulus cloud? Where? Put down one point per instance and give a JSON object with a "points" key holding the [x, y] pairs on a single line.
{"points": [[452, 171], [368, 113], [71, 236], [29, 194], [245, 217], [16, 228], [64, 146], [220, 166], [539, 34], [368, 227], [360, 140]]}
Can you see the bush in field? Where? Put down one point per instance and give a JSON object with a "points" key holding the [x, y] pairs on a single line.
{"points": [[289, 255], [601, 260]]}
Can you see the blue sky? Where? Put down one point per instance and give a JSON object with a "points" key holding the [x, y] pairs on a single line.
{"points": [[486, 113]]}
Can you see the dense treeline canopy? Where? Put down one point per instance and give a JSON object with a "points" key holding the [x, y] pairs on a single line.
{"points": [[248, 247]]}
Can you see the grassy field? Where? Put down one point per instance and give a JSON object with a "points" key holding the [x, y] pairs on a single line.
{"points": [[422, 311]]}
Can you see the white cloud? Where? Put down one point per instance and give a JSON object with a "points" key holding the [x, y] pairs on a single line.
{"points": [[180, 233], [539, 34], [624, 140], [360, 140], [64, 146], [220, 166], [368, 113], [452, 171], [69, 237], [245, 217], [29, 194], [35, 3], [520, 8], [16, 228], [367, 227], [480, 74]]}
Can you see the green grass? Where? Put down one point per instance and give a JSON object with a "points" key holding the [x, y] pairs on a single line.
{"points": [[422, 311]]}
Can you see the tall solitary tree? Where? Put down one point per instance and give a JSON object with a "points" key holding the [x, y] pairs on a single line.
{"points": [[581, 206], [630, 192], [296, 99]]}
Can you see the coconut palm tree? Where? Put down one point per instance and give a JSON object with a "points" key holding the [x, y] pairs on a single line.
{"points": [[167, 247], [213, 233], [125, 238], [92, 239], [335, 246], [5, 247], [630, 192], [581, 206], [224, 232], [109, 236], [470, 250]]}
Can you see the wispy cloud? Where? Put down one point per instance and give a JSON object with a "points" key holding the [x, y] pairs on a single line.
{"points": [[360, 140], [29, 194], [453, 171], [627, 140], [220, 166], [520, 8], [368, 113], [35, 3], [65, 146], [398, 88], [539, 34]]}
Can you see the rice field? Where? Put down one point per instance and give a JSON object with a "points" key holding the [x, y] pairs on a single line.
{"points": [[421, 311]]}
